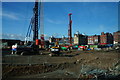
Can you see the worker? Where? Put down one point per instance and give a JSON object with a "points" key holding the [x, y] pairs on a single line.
{"points": [[14, 48]]}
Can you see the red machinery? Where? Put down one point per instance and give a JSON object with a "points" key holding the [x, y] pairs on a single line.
{"points": [[70, 29]]}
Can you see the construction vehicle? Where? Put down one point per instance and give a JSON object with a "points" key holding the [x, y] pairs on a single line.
{"points": [[32, 47], [55, 50]]}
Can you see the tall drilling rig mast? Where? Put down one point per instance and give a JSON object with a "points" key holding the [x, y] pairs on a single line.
{"points": [[35, 24], [38, 12], [70, 29]]}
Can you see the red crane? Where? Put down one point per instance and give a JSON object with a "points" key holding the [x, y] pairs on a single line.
{"points": [[70, 29]]}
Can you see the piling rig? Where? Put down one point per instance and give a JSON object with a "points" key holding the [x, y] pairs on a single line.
{"points": [[36, 23], [70, 29]]}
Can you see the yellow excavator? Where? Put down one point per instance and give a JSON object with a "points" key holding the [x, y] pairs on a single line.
{"points": [[55, 50]]}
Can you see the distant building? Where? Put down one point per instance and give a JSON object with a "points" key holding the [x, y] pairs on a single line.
{"points": [[90, 40], [116, 36], [58, 39], [9, 42], [52, 39], [80, 39], [106, 38], [95, 39], [65, 41]]}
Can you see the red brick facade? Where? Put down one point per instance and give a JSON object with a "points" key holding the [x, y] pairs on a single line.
{"points": [[94, 39], [80, 39], [106, 38], [116, 36]]}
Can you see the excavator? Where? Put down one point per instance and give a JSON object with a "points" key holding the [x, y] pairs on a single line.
{"points": [[55, 50]]}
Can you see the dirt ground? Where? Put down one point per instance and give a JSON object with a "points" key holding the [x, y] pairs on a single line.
{"points": [[77, 64]]}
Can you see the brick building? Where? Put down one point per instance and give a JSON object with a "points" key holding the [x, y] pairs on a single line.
{"points": [[106, 38], [116, 36], [90, 40], [80, 39], [95, 39], [58, 39], [53, 39]]}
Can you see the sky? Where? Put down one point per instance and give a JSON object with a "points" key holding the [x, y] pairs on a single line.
{"points": [[88, 17]]}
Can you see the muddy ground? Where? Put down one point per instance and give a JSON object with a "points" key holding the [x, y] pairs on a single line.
{"points": [[75, 64]]}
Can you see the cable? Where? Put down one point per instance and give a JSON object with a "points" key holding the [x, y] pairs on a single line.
{"points": [[29, 28]]}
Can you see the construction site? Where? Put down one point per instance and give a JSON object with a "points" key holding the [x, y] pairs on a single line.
{"points": [[69, 57]]}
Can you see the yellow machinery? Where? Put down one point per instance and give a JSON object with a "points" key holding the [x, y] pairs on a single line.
{"points": [[55, 50]]}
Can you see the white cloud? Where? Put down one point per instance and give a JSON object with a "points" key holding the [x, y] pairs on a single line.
{"points": [[54, 21], [10, 15], [46, 36], [19, 37], [57, 35], [12, 36], [51, 21]]}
